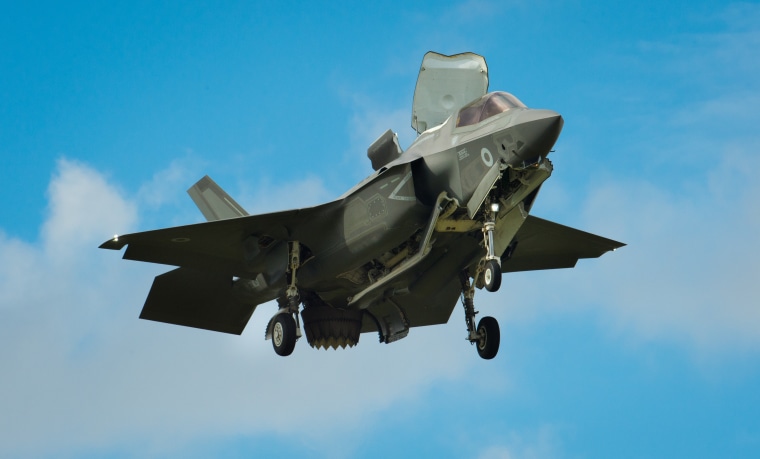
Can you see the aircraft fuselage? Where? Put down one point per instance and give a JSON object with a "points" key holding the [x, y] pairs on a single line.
{"points": [[471, 164]]}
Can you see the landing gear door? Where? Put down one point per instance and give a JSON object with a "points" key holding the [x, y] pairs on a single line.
{"points": [[444, 85]]}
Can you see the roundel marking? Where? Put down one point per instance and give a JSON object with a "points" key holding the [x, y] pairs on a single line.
{"points": [[487, 157]]}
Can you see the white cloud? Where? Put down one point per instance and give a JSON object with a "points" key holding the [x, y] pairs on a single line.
{"points": [[82, 207], [370, 118], [169, 184], [83, 373], [538, 444], [689, 273], [496, 452], [368, 123]]}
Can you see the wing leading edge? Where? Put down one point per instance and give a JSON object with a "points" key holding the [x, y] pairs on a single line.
{"points": [[542, 244], [220, 246]]}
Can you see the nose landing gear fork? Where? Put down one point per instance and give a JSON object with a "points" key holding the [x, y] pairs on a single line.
{"points": [[486, 335]]}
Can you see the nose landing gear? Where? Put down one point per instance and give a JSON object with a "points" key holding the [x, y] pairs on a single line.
{"points": [[492, 275], [491, 264]]}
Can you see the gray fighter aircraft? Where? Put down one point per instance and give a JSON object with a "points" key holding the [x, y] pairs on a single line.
{"points": [[430, 225]]}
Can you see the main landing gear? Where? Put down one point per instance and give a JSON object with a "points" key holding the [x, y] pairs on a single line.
{"points": [[285, 328], [486, 335], [284, 334]]}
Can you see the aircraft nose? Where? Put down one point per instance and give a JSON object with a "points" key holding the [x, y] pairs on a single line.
{"points": [[539, 130]]}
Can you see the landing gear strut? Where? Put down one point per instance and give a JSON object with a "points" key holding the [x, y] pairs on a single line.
{"points": [[285, 327], [492, 263], [486, 335]]}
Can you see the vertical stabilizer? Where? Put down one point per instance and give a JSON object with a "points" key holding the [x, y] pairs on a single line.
{"points": [[213, 202]]}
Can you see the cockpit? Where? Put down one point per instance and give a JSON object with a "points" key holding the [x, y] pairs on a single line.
{"points": [[487, 106]]}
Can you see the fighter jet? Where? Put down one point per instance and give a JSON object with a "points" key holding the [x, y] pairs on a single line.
{"points": [[399, 250]]}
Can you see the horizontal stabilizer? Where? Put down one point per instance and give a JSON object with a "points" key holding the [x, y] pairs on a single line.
{"points": [[213, 202], [542, 244], [198, 299]]}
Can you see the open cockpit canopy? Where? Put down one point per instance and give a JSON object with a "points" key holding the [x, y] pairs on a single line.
{"points": [[444, 84], [487, 106]]}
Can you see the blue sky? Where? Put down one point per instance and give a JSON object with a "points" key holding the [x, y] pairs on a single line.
{"points": [[109, 111]]}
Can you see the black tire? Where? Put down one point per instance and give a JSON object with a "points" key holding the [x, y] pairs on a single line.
{"points": [[284, 334], [490, 336], [492, 275]]}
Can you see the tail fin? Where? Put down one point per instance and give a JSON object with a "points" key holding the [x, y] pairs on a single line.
{"points": [[213, 202]]}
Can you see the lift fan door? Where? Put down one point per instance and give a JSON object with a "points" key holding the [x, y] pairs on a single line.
{"points": [[444, 85]]}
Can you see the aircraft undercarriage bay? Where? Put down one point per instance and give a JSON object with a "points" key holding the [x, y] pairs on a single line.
{"points": [[401, 249]]}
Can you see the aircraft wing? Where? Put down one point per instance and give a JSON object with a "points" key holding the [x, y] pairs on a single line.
{"points": [[542, 244], [220, 246]]}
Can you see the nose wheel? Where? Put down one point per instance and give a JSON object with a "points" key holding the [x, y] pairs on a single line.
{"points": [[492, 275]]}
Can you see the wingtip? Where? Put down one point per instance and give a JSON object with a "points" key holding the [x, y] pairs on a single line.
{"points": [[113, 244]]}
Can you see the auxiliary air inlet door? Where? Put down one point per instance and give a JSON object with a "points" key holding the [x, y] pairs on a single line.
{"points": [[444, 85]]}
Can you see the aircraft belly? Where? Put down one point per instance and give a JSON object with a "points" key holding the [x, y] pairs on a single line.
{"points": [[428, 294]]}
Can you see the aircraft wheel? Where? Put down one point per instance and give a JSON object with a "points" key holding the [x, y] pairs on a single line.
{"points": [[492, 275], [284, 334], [488, 343]]}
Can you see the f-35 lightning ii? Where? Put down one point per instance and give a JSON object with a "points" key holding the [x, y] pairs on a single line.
{"points": [[398, 250]]}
